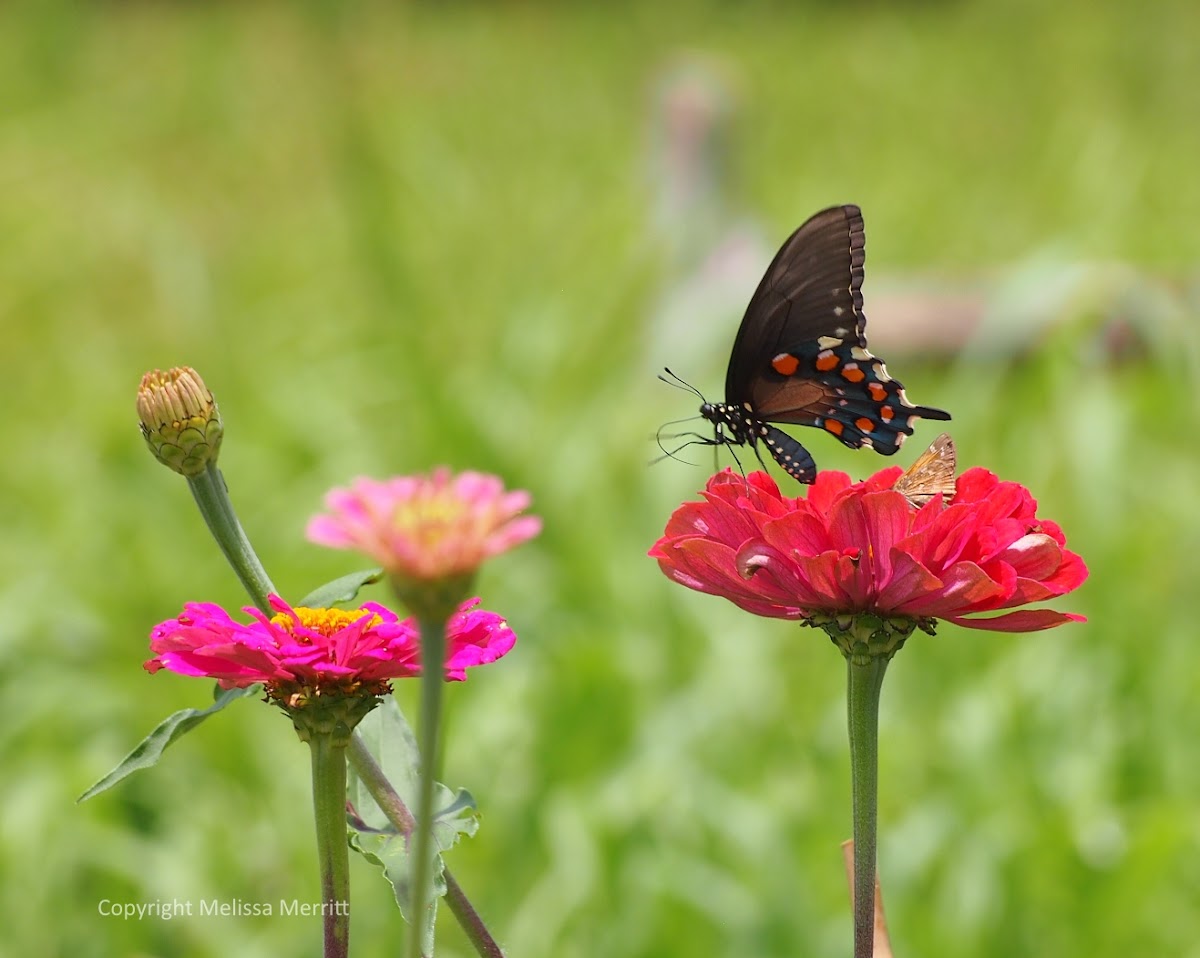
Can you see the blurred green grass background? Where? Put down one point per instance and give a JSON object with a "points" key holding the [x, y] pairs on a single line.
{"points": [[396, 236]]}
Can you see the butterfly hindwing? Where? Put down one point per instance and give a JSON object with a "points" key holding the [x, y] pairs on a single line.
{"points": [[846, 391]]}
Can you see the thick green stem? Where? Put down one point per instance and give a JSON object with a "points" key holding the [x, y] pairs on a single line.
{"points": [[212, 497], [433, 657], [329, 808], [865, 681], [398, 814]]}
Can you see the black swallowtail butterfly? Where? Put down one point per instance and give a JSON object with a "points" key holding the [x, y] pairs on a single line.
{"points": [[801, 354]]}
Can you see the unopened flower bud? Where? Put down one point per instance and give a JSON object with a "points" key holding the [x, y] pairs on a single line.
{"points": [[179, 420]]}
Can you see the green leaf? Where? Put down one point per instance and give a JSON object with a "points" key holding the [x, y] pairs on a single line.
{"points": [[148, 751], [391, 741], [341, 589]]}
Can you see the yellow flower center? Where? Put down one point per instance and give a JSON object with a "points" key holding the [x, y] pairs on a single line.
{"points": [[429, 519], [177, 397], [325, 621]]}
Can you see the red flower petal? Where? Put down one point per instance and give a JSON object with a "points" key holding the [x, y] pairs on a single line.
{"points": [[910, 584], [1027, 620], [785, 583], [861, 547]]}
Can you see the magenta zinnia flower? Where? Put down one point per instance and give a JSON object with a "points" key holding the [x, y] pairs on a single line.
{"points": [[426, 527], [860, 547], [319, 651]]}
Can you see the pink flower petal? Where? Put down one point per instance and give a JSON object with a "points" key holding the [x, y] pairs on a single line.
{"points": [[476, 637], [317, 648], [426, 527]]}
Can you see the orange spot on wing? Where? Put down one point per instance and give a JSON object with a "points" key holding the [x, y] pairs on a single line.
{"points": [[864, 424], [785, 364], [886, 413], [878, 393], [853, 373], [827, 361], [833, 426]]}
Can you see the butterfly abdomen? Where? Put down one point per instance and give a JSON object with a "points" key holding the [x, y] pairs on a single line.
{"points": [[796, 461]]}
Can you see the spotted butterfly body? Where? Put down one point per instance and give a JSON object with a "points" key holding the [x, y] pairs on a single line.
{"points": [[931, 472], [801, 354]]}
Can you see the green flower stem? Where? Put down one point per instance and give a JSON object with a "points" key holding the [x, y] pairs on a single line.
{"points": [[398, 814], [865, 681], [868, 641], [371, 775], [433, 655], [329, 808], [469, 920], [212, 496]]}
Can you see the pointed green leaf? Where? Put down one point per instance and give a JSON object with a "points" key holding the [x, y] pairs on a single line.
{"points": [[342, 589], [148, 751], [391, 741]]}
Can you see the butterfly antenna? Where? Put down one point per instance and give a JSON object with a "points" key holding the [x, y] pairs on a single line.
{"points": [[696, 438], [680, 383]]}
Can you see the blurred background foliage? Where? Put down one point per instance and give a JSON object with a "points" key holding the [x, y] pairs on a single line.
{"points": [[392, 236]]}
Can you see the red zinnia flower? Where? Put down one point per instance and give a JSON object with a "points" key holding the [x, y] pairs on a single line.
{"points": [[320, 650], [861, 547]]}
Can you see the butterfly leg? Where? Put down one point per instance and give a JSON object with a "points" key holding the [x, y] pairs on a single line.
{"points": [[733, 452]]}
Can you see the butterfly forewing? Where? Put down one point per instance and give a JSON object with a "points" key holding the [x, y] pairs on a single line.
{"points": [[932, 472], [812, 289]]}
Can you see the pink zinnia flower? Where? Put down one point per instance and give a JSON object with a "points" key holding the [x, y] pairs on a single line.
{"points": [[426, 527], [319, 651], [861, 547]]}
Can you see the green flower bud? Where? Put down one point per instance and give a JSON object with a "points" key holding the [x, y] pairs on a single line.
{"points": [[179, 420]]}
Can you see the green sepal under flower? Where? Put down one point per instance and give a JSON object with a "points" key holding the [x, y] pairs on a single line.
{"points": [[179, 420], [335, 716], [865, 636], [432, 600]]}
